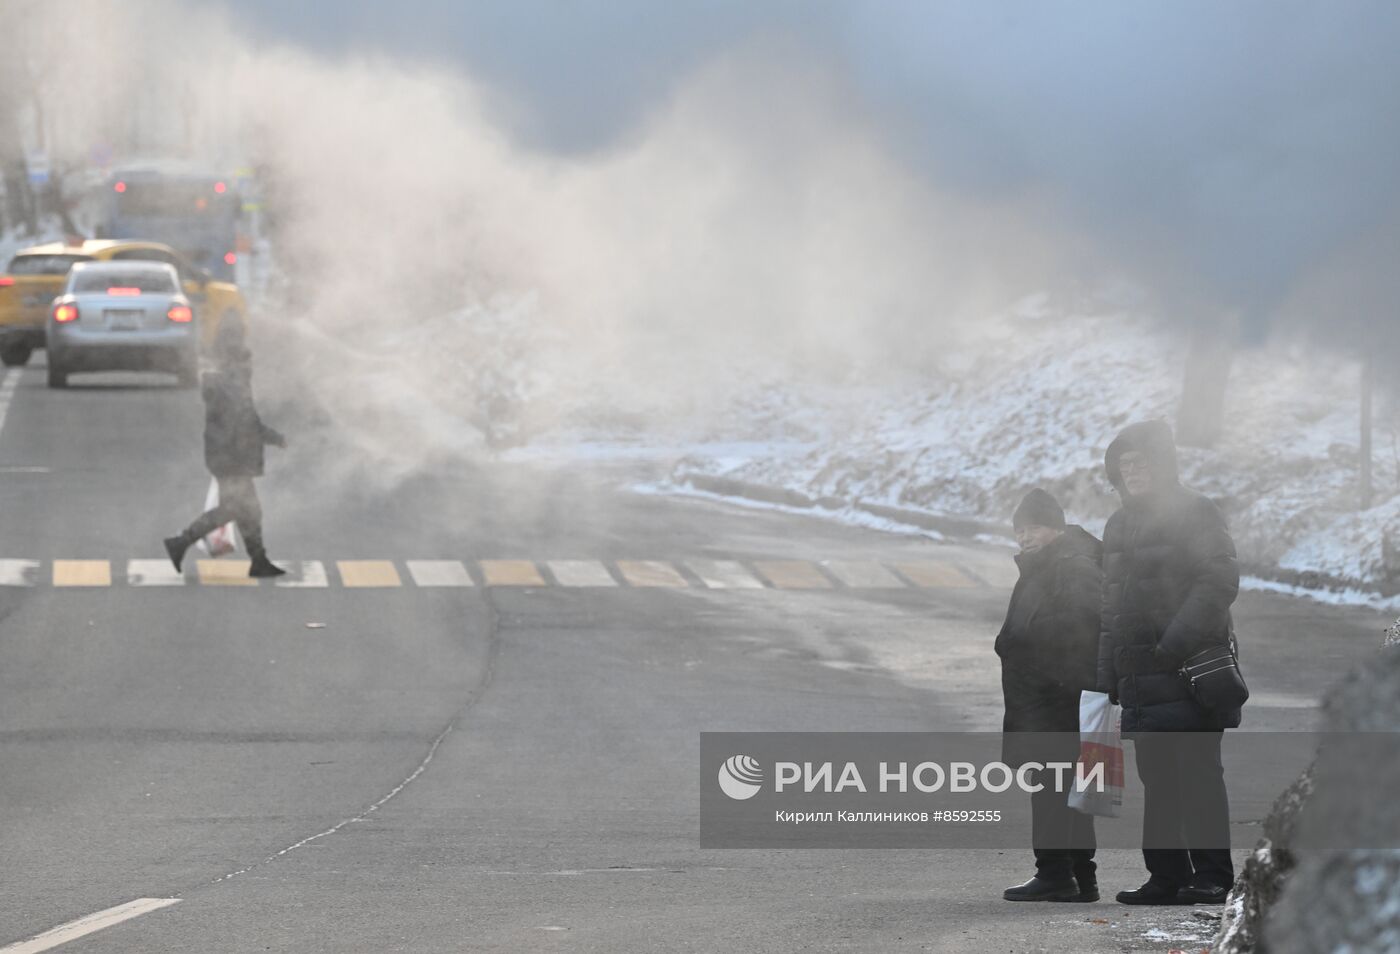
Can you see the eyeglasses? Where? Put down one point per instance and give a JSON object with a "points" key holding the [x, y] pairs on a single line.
{"points": [[1132, 466]]}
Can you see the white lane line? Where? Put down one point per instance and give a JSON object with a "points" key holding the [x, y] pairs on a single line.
{"points": [[724, 575], [580, 573], [7, 391], [88, 924], [304, 574], [152, 573], [438, 573], [19, 572]]}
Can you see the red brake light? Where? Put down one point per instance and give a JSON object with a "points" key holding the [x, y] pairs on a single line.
{"points": [[65, 313], [120, 187], [220, 188], [123, 291], [230, 258], [6, 281], [180, 313]]}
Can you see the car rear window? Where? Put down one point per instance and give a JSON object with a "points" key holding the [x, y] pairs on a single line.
{"points": [[44, 264], [147, 281]]}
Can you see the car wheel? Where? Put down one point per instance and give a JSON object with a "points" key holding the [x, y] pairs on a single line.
{"points": [[15, 356], [58, 375]]}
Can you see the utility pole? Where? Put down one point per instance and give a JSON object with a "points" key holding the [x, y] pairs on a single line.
{"points": [[1368, 374]]}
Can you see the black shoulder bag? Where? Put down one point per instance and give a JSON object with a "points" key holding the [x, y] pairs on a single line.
{"points": [[1215, 678]]}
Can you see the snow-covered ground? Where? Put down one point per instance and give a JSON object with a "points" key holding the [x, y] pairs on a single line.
{"points": [[1037, 405]]}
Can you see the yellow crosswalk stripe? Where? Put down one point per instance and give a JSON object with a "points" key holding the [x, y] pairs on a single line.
{"points": [[510, 573], [224, 573], [864, 574], [82, 573], [792, 574], [368, 573], [940, 575], [650, 573]]}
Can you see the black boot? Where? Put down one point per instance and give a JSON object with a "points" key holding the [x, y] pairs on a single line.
{"points": [[1039, 889], [1088, 889], [1153, 892], [262, 567], [176, 546]]}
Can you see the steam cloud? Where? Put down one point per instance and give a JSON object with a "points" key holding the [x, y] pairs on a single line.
{"points": [[846, 199]]}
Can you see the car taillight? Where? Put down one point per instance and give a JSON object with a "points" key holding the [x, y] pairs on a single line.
{"points": [[65, 313], [123, 291], [230, 258], [6, 281], [180, 313]]}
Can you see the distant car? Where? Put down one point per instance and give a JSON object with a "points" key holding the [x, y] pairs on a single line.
{"points": [[122, 316], [35, 277]]}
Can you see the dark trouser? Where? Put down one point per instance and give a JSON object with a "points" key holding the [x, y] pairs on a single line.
{"points": [[238, 501], [1186, 811], [1062, 838]]}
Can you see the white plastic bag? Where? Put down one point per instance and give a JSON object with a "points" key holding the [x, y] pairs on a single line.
{"points": [[1100, 757], [222, 539]]}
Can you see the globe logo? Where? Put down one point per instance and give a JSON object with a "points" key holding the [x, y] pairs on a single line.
{"points": [[740, 777]]}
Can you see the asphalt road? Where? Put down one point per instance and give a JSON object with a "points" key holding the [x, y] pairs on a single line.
{"points": [[488, 767]]}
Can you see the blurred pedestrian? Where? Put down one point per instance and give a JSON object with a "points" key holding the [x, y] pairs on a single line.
{"points": [[1170, 578], [234, 437], [1049, 650]]}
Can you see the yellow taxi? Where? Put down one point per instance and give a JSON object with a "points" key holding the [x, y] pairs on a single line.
{"points": [[35, 277]]}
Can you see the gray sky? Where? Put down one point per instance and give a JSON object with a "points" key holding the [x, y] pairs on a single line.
{"points": [[1231, 145]]}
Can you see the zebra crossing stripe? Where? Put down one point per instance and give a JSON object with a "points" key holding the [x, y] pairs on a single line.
{"points": [[511, 573], [152, 573], [647, 573], [19, 572], [792, 575], [938, 575], [303, 575], [861, 574], [356, 574], [580, 573], [82, 573], [439, 573], [224, 573], [724, 575]]}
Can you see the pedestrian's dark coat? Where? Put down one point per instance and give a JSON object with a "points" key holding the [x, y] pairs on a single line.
{"points": [[1169, 578], [1049, 644], [234, 435]]}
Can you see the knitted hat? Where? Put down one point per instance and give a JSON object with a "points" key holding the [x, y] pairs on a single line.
{"points": [[1041, 509]]}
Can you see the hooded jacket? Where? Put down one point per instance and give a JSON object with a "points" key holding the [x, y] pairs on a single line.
{"points": [[234, 435], [1049, 642], [1169, 579]]}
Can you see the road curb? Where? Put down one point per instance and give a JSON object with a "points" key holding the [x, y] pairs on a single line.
{"points": [[969, 528]]}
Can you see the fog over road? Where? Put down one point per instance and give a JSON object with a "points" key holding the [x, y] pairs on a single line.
{"points": [[191, 739]]}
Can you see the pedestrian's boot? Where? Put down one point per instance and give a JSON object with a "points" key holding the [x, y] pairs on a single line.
{"points": [[1204, 893], [260, 567], [176, 546], [1153, 892], [1088, 889], [1041, 889]]}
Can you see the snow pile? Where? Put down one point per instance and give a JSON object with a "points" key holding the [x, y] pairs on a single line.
{"points": [[1037, 404]]}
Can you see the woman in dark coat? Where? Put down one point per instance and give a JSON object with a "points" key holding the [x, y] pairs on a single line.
{"points": [[234, 437], [1170, 577], [1048, 647]]}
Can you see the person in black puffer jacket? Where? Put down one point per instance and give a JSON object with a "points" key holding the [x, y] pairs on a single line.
{"points": [[1170, 577], [1048, 648]]}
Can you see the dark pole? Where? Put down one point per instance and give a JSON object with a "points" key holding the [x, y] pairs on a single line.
{"points": [[1367, 385]]}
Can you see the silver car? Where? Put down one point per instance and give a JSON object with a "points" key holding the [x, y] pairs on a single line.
{"points": [[122, 316]]}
